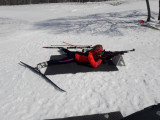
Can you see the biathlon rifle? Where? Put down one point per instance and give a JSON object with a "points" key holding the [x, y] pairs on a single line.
{"points": [[106, 55]]}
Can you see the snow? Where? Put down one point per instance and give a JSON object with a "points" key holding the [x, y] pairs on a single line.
{"points": [[25, 29]]}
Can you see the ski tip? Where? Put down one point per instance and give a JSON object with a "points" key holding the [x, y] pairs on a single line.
{"points": [[63, 91], [44, 47], [20, 61]]}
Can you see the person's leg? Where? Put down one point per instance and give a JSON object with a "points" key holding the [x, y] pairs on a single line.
{"points": [[69, 53], [62, 61], [70, 58], [72, 53], [54, 62]]}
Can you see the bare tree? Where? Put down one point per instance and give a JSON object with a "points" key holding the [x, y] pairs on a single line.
{"points": [[159, 11], [149, 11]]}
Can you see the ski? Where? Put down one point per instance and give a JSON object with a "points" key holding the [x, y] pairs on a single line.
{"points": [[68, 47], [149, 25], [83, 46], [42, 75]]}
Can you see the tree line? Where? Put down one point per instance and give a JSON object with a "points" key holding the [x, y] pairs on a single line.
{"points": [[21, 2]]}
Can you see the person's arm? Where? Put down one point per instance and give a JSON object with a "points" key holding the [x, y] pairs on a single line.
{"points": [[92, 62]]}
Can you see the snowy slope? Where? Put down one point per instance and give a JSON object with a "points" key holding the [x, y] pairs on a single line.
{"points": [[25, 29]]}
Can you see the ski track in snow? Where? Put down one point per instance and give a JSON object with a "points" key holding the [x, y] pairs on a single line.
{"points": [[24, 30]]}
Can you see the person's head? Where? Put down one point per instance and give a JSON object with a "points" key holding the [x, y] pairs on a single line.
{"points": [[97, 50]]}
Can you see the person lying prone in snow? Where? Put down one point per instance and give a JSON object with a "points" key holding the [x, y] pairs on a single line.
{"points": [[93, 57]]}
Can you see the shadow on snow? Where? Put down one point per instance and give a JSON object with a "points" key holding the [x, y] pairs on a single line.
{"points": [[107, 23]]}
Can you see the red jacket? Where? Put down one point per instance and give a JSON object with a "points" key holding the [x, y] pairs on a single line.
{"points": [[88, 59]]}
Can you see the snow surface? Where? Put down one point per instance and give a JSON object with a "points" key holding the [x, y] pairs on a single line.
{"points": [[25, 29]]}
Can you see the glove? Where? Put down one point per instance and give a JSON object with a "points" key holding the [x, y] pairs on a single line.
{"points": [[103, 57], [102, 53]]}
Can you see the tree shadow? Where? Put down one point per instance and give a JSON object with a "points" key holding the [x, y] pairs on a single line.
{"points": [[106, 23]]}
